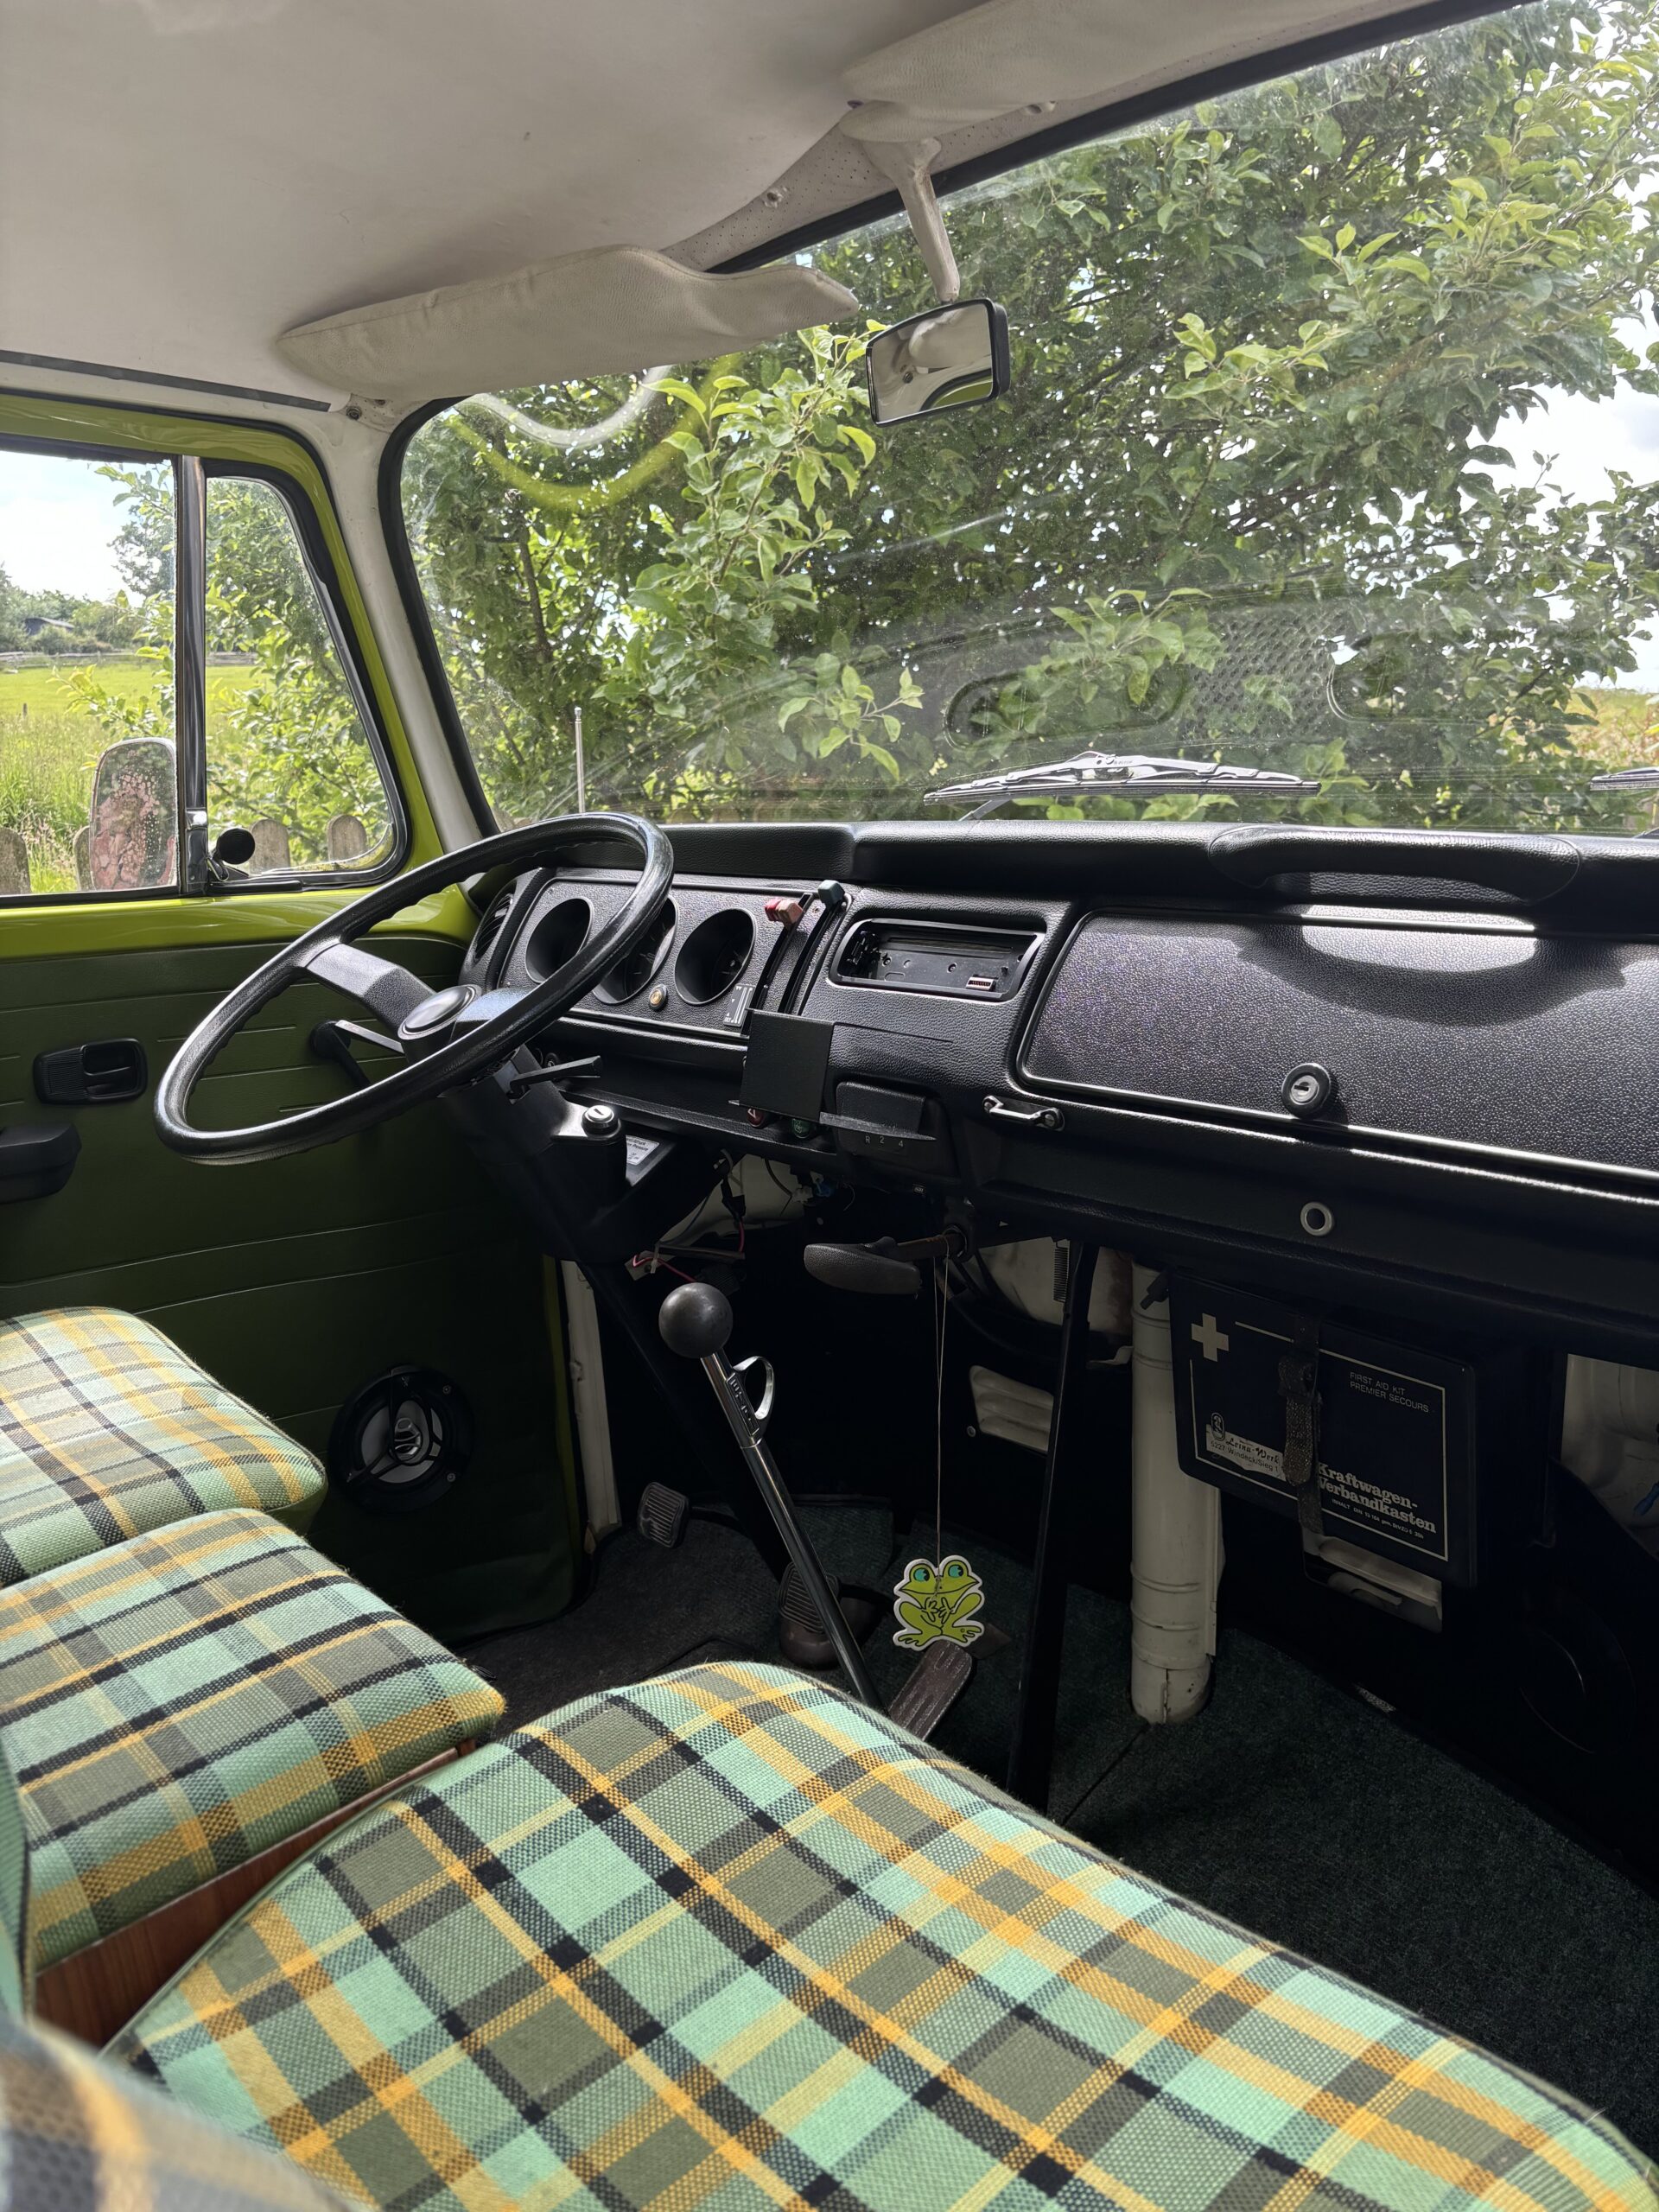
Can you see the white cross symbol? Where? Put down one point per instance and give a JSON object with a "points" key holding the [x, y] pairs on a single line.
{"points": [[1214, 1340]]}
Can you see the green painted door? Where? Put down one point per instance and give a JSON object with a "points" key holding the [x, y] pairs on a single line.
{"points": [[296, 1282]]}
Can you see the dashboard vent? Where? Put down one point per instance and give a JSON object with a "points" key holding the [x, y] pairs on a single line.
{"points": [[489, 928]]}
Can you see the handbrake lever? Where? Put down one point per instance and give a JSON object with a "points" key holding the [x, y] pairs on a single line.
{"points": [[885, 1269]]}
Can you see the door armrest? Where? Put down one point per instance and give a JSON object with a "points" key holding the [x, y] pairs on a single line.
{"points": [[36, 1158]]}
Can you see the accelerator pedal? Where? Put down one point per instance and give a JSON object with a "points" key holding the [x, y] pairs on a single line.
{"points": [[661, 1517], [932, 1687]]}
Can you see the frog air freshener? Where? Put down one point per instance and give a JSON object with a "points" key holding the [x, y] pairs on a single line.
{"points": [[937, 1601]]}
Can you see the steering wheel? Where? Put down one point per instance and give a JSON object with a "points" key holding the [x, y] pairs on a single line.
{"points": [[450, 1036]]}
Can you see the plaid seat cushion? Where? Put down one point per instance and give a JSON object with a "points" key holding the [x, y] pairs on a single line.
{"points": [[728, 1941], [174, 1704], [107, 1430], [75, 2136]]}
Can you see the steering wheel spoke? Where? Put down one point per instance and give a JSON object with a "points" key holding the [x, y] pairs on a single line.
{"points": [[463, 1032], [381, 985]]}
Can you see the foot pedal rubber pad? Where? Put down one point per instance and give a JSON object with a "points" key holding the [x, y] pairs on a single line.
{"points": [[932, 1687], [801, 1635], [661, 1517]]}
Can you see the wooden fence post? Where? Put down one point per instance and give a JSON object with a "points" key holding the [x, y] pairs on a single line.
{"points": [[270, 849], [14, 863], [345, 838]]}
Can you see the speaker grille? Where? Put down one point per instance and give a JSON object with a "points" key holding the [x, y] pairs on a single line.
{"points": [[401, 1441]]}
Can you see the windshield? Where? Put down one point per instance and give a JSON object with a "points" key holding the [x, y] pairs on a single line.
{"points": [[1330, 449]]}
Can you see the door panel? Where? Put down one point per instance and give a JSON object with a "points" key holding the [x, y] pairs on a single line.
{"points": [[295, 1280]]}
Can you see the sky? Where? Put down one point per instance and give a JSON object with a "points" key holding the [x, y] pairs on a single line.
{"points": [[58, 517]]}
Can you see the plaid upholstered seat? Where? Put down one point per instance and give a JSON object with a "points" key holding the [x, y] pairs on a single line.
{"points": [[76, 2136], [175, 1704], [728, 1941], [107, 1430]]}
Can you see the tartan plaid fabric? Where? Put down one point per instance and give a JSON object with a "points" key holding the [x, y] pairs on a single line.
{"points": [[75, 2136], [17, 1942], [107, 1430], [174, 1705], [728, 1941]]}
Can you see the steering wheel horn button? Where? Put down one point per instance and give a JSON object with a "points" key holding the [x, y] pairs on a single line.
{"points": [[434, 1016], [1308, 1090]]}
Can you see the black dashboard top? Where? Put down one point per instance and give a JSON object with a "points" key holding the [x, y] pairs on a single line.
{"points": [[1089, 1029]]}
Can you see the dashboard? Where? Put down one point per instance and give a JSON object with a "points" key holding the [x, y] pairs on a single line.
{"points": [[1418, 1092]]}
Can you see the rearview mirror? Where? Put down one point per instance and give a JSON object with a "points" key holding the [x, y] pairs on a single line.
{"points": [[949, 356]]}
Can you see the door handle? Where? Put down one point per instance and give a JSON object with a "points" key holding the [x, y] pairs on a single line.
{"points": [[92, 1075], [36, 1158]]}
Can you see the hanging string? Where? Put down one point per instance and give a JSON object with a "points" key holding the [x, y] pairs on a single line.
{"points": [[941, 1313]]}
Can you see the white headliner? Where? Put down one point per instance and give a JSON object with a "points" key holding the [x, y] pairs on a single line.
{"points": [[181, 181]]}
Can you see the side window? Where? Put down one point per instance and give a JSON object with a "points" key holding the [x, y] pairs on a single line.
{"points": [[88, 791], [289, 757]]}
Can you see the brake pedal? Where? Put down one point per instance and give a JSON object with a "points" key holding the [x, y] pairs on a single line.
{"points": [[932, 1687], [661, 1515], [802, 1635]]}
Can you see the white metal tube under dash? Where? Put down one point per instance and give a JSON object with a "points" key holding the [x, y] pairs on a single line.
{"points": [[1175, 1562]]}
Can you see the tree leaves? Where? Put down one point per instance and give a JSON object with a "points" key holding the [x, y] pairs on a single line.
{"points": [[1249, 492]]}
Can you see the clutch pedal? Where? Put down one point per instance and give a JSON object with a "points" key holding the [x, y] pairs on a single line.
{"points": [[660, 1518]]}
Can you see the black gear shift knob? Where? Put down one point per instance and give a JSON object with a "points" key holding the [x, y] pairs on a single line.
{"points": [[695, 1319]]}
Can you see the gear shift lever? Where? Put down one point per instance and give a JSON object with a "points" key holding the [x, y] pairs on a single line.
{"points": [[696, 1321]]}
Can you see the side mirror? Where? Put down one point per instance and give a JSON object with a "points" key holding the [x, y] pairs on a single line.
{"points": [[949, 356]]}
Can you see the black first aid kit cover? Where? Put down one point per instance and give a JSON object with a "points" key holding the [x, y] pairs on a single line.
{"points": [[1395, 1433]]}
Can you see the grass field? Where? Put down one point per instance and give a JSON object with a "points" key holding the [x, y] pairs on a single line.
{"points": [[50, 747], [43, 690]]}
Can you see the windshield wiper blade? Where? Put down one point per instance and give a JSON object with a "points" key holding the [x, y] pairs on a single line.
{"points": [[1627, 779], [1112, 775]]}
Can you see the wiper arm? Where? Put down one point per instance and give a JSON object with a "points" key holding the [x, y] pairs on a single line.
{"points": [[1111, 775], [1627, 779]]}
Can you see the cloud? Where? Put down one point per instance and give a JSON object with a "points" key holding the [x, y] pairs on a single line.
{"points": [[172, 17], [45, 546]]}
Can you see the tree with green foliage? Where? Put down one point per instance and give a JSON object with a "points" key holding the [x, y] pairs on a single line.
{"points": [[288, 746], [1265, 488]]}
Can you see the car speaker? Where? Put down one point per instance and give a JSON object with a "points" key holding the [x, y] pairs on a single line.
{"points": [[400, 1442]]}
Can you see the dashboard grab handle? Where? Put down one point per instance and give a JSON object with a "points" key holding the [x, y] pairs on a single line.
{"points": [[1525, 869]]}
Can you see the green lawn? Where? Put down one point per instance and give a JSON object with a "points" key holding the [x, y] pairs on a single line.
{"points": [[43, 688], [50, 747]]}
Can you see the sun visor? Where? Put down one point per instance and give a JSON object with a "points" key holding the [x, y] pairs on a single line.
{"points": [[607, 311], [1012, 53]]}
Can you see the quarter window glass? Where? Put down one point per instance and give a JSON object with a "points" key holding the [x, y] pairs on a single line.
{"points": [[1331, 449], [289, 757], [88, 793]]}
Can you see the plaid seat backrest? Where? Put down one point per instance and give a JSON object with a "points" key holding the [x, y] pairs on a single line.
{"points": [[79, 2135], [16, 1974]]}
